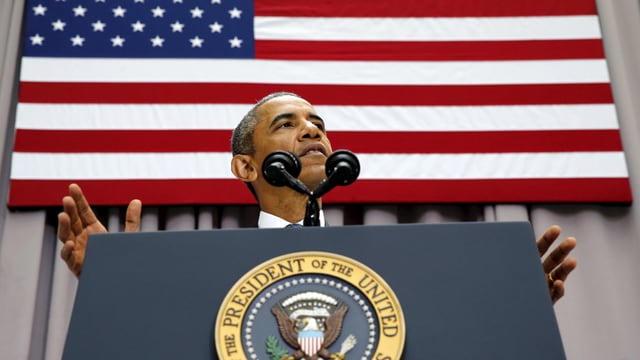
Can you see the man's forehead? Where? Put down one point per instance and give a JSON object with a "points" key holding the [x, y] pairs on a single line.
{"points": [[284, 103]]}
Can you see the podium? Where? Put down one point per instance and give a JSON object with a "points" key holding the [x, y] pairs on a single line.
{"points": [[467, 290]]}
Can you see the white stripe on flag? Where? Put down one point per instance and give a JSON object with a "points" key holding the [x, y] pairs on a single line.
{"points": [[427, 29], [337, 118], [373, 166], [314, 72]]}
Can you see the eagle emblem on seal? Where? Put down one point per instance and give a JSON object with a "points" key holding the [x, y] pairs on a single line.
{"points": [[310, 322]]}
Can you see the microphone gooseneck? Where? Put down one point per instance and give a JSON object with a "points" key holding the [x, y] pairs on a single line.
{"points": [[345, 165], [282, 168], [342, 168]]}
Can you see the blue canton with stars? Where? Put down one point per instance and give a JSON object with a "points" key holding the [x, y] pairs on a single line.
{"points": [[139, 28]]}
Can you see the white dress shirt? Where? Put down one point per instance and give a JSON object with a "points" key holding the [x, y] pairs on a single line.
{"points": [[266, 220]]}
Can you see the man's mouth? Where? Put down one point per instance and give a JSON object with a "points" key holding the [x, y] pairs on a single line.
{"points": [[310, 152], [313, 150]]}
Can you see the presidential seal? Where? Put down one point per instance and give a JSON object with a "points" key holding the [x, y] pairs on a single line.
{"points": [[311, 306]]}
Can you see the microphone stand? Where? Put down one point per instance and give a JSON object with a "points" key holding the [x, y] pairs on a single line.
{"points": [[282, 169], [312, 214]]}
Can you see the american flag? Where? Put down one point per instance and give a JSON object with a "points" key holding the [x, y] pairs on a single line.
{"points": [[442, 100]]}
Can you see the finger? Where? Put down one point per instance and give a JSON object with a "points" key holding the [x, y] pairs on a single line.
{"points": [[70, 208], [73, 260], [132, 218], [66, 253], [559, 254], [64, 227], [562, 272], [557, 291], [550, 235], [84, 210]]}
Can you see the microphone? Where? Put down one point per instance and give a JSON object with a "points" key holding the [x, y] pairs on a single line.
{"points": [[282, 168], [342, 168]]}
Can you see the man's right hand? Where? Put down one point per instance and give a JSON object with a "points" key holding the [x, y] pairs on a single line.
{"points": [[77, 221]]}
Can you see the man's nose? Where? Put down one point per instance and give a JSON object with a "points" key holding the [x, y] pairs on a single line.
{"points": [[310, 130]]}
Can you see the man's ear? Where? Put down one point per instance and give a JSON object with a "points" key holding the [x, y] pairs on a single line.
{"points": [[244, 168]]}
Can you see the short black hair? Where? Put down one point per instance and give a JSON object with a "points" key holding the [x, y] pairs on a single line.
{"points": [[242, 137]]}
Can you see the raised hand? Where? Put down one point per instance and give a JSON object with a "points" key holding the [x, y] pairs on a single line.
{"points": [[77, 221], [557, 265]]}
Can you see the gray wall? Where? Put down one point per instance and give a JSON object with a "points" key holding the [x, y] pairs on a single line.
{"points": [[599, 317]]}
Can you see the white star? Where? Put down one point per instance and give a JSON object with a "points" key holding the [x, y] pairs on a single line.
{"points": [[216, 1], [36, 39], [96, 1], [235, 13], [119, 11], [58, 25], [39, 10], [177, 1], [235, 42], [77, 40], [79, 10], [117, 41], [157, 41], [138, 1], [138, 26], [196, 42], [177, 27], [196, 12], [216, 27], [98, 26], [158, 11]]}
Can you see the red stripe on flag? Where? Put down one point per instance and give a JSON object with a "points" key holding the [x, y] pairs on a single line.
{"points": [[459, 142], [424, 8], [118, 141], [429, 50], [235, 93], [615, 190], [205, 192], [122, 141]]}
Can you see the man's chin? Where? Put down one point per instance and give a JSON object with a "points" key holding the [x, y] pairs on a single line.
{"points": [[313, 159], [312, 176]]}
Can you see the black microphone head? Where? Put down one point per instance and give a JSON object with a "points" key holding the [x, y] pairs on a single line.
{"points": [[277, 162], [345, 165]]}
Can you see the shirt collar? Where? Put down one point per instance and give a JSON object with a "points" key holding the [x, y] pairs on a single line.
{"points": [[266, 220]]}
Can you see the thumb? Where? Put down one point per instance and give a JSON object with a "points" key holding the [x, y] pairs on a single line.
{"points": [[132, 218]]}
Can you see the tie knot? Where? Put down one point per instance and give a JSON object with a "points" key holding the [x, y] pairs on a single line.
{"points": [[297, 226]]}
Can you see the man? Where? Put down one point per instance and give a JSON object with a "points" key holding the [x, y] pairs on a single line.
{"points": [[280, 121]]}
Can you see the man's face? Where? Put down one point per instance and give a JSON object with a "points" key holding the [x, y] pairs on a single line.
{"points": [[289, 123]]}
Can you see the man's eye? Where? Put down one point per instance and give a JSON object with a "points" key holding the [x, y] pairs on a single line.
{"points": [[285, 125], [320, 126]]}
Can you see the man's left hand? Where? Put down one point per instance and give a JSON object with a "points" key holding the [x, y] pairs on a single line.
{"points": [[557, 265]]}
